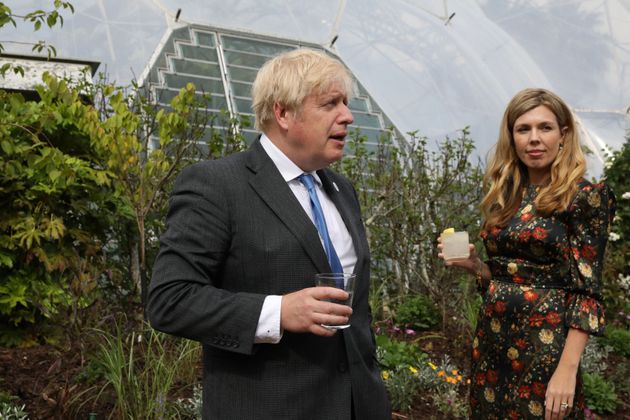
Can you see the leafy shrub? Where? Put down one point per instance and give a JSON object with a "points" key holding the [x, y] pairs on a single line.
{"points": [[58, 209], [409, 191], [600, 394], [618, 339], [393, 353], [9, 411], [616, 279], [594, 356], [417, 312], [402, 387]]}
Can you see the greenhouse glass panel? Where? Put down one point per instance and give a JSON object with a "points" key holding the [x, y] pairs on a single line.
{"points": [[199, 53], [244, 59], [196, 67], [254, 46]]}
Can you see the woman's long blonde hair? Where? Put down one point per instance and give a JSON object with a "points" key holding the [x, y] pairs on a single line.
{"points": [[506, 176]]}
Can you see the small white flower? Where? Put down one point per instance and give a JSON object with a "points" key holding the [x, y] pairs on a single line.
{"points": [[626, 195], [608, 164], [614, 236]]}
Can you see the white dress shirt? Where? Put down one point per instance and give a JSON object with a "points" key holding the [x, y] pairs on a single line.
{"points": [[268, 330]]}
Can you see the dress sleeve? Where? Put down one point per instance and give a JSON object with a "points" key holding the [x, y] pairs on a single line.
{"points": [[590, 216]]}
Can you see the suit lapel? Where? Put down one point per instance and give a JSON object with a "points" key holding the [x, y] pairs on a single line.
{"points": [[274, 191], [348, 212]]}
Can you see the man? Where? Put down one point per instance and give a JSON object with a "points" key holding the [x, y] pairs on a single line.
{"points": [[237, 262]]}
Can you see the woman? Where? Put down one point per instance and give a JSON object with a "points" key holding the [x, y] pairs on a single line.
{"points": [[545, 230]]}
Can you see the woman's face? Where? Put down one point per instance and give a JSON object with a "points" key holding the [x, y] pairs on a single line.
{"points": [[537, 140]]}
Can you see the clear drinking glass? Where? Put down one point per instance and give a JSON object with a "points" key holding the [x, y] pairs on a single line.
{"points": [[343, 281]]}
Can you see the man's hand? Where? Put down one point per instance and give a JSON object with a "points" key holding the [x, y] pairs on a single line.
{"points": [[306, 310]]}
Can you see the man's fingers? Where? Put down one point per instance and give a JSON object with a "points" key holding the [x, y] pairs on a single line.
{"points": [[322, 292]]}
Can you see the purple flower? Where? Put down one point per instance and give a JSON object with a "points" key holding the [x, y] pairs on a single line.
{"points": [[409, 331]]}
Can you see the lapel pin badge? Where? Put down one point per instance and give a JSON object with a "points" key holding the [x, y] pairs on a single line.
{"points": [[336, 187]]}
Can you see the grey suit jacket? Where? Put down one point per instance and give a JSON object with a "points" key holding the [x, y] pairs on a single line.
{"points": [[235, 234]]}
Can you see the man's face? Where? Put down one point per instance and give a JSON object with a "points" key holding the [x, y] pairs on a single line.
{"points": [[316, 134]]}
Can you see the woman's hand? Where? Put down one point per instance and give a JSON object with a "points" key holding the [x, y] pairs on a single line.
{"points": [[560, 392], [561, 386]]}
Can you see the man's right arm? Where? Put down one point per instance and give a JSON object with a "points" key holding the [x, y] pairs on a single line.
{"points": [[183, 297]]}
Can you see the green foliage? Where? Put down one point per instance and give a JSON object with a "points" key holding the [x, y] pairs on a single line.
{"points": [[9, 411], [141, 370], [38, 18], [393, 353], [59, 207], [600, 394], [402, 388], [594, 357], [618, 339], [616, 288], [399, 360], [417, 312], [470, 305], [146, 147], [191, 408], [409, 194]]}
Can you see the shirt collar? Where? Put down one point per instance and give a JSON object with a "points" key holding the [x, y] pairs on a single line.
{"points": [[288, 169]]}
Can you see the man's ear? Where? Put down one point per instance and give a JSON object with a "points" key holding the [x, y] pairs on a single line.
{"points": [[281, 115]]}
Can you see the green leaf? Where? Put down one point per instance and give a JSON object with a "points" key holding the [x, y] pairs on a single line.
{"points": [[6, 260], [54, 174], [7, 147]]}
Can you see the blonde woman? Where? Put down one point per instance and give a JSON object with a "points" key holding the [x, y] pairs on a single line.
{"points": [[545, 230]]}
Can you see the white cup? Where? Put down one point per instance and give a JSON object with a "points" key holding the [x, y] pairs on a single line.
{"points": [[455, 246]]}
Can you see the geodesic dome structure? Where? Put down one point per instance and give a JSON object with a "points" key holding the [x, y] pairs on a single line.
{"points": [[432, 66]]}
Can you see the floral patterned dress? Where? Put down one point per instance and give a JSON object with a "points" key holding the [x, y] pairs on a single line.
{"points": [[546, 278]]}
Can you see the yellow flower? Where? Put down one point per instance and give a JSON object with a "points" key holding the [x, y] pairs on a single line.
{"points": [[592, 321], [385, 375], [432, 365], [454, 372], [546, 336], [488, 393], [594, 199], [413, 369], [459, 378], [451, 380], [535, 408], [512, 268], [441, 373], [512, 353], [585, 269], [495, 325], [475, 343]]}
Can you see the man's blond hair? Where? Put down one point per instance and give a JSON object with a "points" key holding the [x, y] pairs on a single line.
{"points": [[290, 77]]}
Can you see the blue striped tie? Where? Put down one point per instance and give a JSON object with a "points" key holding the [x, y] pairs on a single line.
{"points": [[320, 222]]}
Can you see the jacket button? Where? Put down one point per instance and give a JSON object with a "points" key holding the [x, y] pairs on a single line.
{"points": [[342, 367]]}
